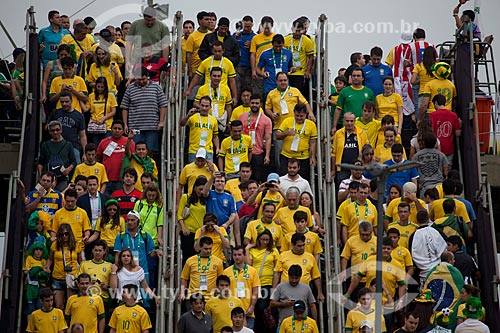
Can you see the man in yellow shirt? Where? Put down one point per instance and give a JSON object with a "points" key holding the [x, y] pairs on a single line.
{"points": [[233, 185], [251, 233], [194, 41], [260, 43], [403, 224], [414, 205], [201, 270], [203, 130], [245, 283], [220, 239], [360, 210], [299, 319], [80, 44], [436, 210], [234, 150], [297, 255], [299, 137], [313, 244], [219, 308], [357, 249], [129, 317], [363, 315], [70, 83], [284, 215], [268, 192], [47, 319], [400, 253], [368, 123], [99, 271], [92, 168]]}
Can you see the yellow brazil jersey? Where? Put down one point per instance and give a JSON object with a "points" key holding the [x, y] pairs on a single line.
{"points": [[130, 319], [96, 169], [275, 198], [232, 186], [190, 172], [85, 310], [356, 316], [70, 259], [342, 209], [96, 72], [77, 48], [114, 51], [313, 243], [443, 87], [256, 255], [202, 130], [285, 216], [206, 66], [391, 213], [191, 272], [77, 219], [381, 138], [370, 128], [355, 213], [220, 96], [423, 76], [383, 153], [405, 232], [250, 278], [235, 152], [260, 43], [305, 260], [275, 229], [298, 146], [310, 325], [388, 105], [100, 272], [76, 82], [358, 250], [140, 170], [439, 188], [32, 262], [292, 96], [403, 256], [393, 274], [196, 213], [192, 46], [47, 321], [220, 311], [217, 247], [436, 210], [301, 49], [97, 108], [109, 232]]}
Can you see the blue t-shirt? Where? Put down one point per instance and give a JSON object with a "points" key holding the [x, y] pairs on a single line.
{"points": [[468, 207], [72, 123], [142, 243], [399, 177], [244, 51], [51, 40], [282, 62], [374, 77], [221, 204]]}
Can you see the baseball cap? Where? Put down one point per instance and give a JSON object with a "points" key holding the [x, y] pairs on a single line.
{"points": [[299, 306], [273, 177], [366, 323], [134, 213], [410, 187], [406, 38], [201, 153], [105, 34], [224, 21], [149, 11]]}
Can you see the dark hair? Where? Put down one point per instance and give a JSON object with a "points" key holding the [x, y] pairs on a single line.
{"points": [[299, 215], [390, 78], [245, 184], [70, 193], [419, 33], [132, 288], [394, 231], [227, 329], [201, 15], [45, 293], [196, 296], [295, 271], [358, 69], [105, 92], [48, 173], [107, 56], [424, 127], [100, 242], [368, 105], [247, 18], [403, 204], [131, 172], [92, 177], [448, 186], [147, 175], [422, 217], [397, 187], [341, 78], [119, 122], [353, 186], [224, 278], [430, 140], [188, 22], [432, 193], [83, 276], [363, 185], [206, 240], [210, 217], [390, 129], [470, 14], [206, 98], [459, 187], [298, 23], [386, 241], [215, 69], [141, 71], [376, 51], [217, 43], [300, 108], [66, 93], [278, 38], [52, 13], [472, 290], [237, 311], [193, 197], [397, 148], [80, 178], [355, 57], [270, 245], [297, 237], [236, 123], [123, 23], [267, 20], [373, 185], [455, 240], [414, 314], [439, 99], [255, 96], [63, 47], [387, 119], [246, 89], [449, 206], [268, 204], [65, 227], [311, 208], [364, 291], [90, 147], [106, 218]]}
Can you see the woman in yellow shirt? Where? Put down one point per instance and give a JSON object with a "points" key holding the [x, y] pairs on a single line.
{"points": [[390, 103], [109, 225], [103, 66], [383, 152], [422, 73]]}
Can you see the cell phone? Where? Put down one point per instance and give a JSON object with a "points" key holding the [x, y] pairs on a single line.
{"points": [[38, 187]]}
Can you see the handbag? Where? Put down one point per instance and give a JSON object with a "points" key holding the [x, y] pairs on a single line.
{"points": [[93, 127]]}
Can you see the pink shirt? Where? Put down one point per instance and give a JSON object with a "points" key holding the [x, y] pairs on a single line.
{"points": [[264, 126]]}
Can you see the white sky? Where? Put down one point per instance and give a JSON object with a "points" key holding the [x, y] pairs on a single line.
{"points": [[345, 18]]}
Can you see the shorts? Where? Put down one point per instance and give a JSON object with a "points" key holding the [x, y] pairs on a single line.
{"points": [[59, 285]]}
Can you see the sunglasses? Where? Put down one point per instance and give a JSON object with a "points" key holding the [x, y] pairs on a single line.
{"points": [[111, 209], [65, 234]]}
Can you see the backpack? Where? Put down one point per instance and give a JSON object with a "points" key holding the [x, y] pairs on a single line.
{"points": [[55, 162], [144, 236]]}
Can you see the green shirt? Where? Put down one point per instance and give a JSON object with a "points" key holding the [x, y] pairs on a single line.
{"points": [[352, 100]]}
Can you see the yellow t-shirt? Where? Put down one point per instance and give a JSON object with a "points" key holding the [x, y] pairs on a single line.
{"points": [[76, 82], [98, 271], [198, 125], [461, 315], [310, 326], [217, 247], [436, 210], [388, 105], [304, 47], [108, 233], [97, 169], [355, 213], [285, 217], [371, 129], [313, 244], [292, 97], [70, 259], [256, 255], [423, 76], [77, 219], [105, 71], [220, 96], [32, 262], [127, 319], [275, 198], [305, 260], [306, 132], [76, 48], [341, 211], [235, 151], [381, 138], [443, 87], [232, 186], [259, 44], [358, 250], [405, 232], [220, 311], [85, 310], [190, 172], [191, 273], [193, 44], [114, 51], [356, 317], [196, 213], [403, 256], [384, 153], [51, 321], [140, 170], [97, 108], [224, 63], [275, 229], [391, 213], [250, 280]]}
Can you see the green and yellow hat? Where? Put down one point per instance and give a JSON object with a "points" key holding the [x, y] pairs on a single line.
{"points": [[473, 308], [425, 296], [260, 229], [441, 70], [38, 245]]}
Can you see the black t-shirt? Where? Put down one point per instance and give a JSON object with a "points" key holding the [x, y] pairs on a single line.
{"points": [[72, 123], [466, 265], [351, 148]]}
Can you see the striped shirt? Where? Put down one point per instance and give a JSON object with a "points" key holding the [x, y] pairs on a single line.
{"points": [[396, 59], [417, 51], [143, 105], [49, 203]]}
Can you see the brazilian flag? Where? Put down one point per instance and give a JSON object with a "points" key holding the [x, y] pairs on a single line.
{"points": [[445, 282]]}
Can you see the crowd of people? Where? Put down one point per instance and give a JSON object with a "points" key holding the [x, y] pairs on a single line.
{"points": [[251, 238]]}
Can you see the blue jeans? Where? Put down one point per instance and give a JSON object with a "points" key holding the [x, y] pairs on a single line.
{"points": [[77, 156], [250, 322], [150, 137]]}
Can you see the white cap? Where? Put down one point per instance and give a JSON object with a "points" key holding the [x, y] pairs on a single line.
{"points": [[410, 187], [134, 213], [406, 38], [202, 152]]}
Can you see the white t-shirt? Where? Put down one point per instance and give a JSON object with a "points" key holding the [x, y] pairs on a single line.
{"points": [[244, 330], [301, 183], [126, 277]]}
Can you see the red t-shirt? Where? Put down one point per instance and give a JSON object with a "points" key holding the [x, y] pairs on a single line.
{"points": [[444, 124], [155, 66], [246, 210], [113, 163], [126, 201]]}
